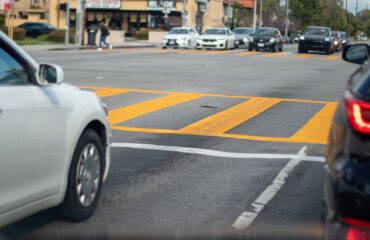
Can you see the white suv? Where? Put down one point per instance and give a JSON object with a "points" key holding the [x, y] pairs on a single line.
{"points": [[54, 140]]}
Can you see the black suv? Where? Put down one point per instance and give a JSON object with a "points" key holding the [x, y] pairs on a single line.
{"points": [[318, 39], [347, 181]]}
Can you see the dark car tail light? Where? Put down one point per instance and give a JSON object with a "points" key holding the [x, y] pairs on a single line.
{"points": [[358, 229], [358, 114]]}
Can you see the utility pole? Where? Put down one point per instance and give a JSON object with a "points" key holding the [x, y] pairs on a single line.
{"points": [[79, 22], [286, 17], [67, 23], [255, 14], [347, 12], [184, 23], [261, 1], [356, 7], [229, 13]]}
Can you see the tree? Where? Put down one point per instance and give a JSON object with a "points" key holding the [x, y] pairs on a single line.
{"points": [[240, 16]]}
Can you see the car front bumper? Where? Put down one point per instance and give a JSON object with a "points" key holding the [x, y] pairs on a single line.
{"points": [[265, 45], [322, 46], [218, 44], [174, 43]]}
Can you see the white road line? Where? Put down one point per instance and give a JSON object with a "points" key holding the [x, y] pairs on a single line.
{"points": [[246, 218], [215, 153]]}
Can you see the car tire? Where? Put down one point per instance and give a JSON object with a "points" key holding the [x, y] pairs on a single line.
{"points": [[226, 45], [164, 47], [276, 48], [89, 160], [281, 49], [328, 51], [250, 49]]}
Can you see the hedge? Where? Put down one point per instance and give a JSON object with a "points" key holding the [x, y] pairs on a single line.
{"points": [[144, 34], [59, 35], [18, 33]]}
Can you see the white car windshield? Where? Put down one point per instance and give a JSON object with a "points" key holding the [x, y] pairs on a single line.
{"points": [[215, 31], [179, 31]]}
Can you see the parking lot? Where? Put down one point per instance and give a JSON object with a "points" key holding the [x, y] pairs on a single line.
{"points": [[205, 140]]}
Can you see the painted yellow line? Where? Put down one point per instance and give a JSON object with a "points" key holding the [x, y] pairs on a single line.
{"points": [[246, 53], [330, 58], [110, 92], [164, 51], [274, 54], [230, 118], [190, 51], [207, 94], [304, 56], [220, 52], [316, 130], [123, 114], [235, 136]]}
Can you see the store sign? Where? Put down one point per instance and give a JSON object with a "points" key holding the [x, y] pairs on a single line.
{"points": [[161, 5], [6, 4], [110, 4]]}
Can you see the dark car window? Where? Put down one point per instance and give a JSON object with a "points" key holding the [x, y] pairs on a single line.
{"points": [[265, 32], [317, 31], [361, 83], [11, 72]]}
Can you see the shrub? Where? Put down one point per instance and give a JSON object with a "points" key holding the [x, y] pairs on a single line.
{"points": [[43, 38], [144, 33], [59, 35], [2, 22], [18, 33]]}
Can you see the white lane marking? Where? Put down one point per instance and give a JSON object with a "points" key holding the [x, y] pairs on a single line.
{"points": [[215, 153], [247, 218]]}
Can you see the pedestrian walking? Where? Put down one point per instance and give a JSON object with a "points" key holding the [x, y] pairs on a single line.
{"points": [[103, 36]]}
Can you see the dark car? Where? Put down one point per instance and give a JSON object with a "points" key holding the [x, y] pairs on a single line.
{"points": [[347, 180], [266, 39], [242, 36], [345, 39], [337, 41], [318, 39], [35, 29]]}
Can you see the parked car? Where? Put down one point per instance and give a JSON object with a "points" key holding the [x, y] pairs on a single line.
{"points": [[242, 36], [347, 181], [55, 140], [345, 39], [294, 37], [286, 40], [337, 41], [220, 38], [180, 37], [35, 29], [266, 38], [318, 39]]}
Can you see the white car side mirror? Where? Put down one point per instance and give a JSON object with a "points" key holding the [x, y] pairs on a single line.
{"points": [[50, 74]]}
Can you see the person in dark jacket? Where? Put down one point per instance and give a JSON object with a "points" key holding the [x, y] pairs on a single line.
{"points": [[103, 36]]}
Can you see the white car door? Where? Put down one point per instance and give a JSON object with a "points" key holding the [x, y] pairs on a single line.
{"points": [[33, 137]]}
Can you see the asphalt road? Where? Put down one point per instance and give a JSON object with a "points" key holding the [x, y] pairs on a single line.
{"points": [[170, 108]]}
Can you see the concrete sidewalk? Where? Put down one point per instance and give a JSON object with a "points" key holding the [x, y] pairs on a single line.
{"points": [[61, 47]]}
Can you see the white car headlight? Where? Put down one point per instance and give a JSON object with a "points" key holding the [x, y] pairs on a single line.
{"points": [[245, 40], [343, 41], [327, 39], [251, 39], [335, 42], [272, 40], [301, 37]]}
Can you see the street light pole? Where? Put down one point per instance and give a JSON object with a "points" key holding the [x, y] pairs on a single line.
{"points": [[184, 15], [255, 14], [229, 13], [67, 23], [286, 17], [260, 25]]}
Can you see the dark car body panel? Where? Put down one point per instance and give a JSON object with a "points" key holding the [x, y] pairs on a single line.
{"points": [[265, 41], [347, 183], [35, 29]]}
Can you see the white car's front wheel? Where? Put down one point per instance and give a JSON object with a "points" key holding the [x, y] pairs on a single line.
{"points": [[84, 178]]}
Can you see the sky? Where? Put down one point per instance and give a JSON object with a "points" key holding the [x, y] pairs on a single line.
{"points": [[352, 5]]}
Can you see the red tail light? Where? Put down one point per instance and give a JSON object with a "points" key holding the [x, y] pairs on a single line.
{"points": [[358, 114], [358, 230]]}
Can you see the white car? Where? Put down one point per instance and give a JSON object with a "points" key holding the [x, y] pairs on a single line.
{"points": [[220, 38], [54, 140], [180, 37]]}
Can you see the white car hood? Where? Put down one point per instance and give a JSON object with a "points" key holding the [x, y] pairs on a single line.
{"points": [[175, 36], [213, 37]]}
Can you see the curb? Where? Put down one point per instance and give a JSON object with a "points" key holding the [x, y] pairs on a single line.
{"points": [[95, 47]]}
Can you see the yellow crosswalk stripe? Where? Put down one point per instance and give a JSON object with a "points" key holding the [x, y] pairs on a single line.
{"points": [[164, 51], [190, 51], [110, 92], [316, 130], [246, 53], [220, 52], [230, 118], [123, 114], [274, 54], [304, 56], [330, 58]]}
